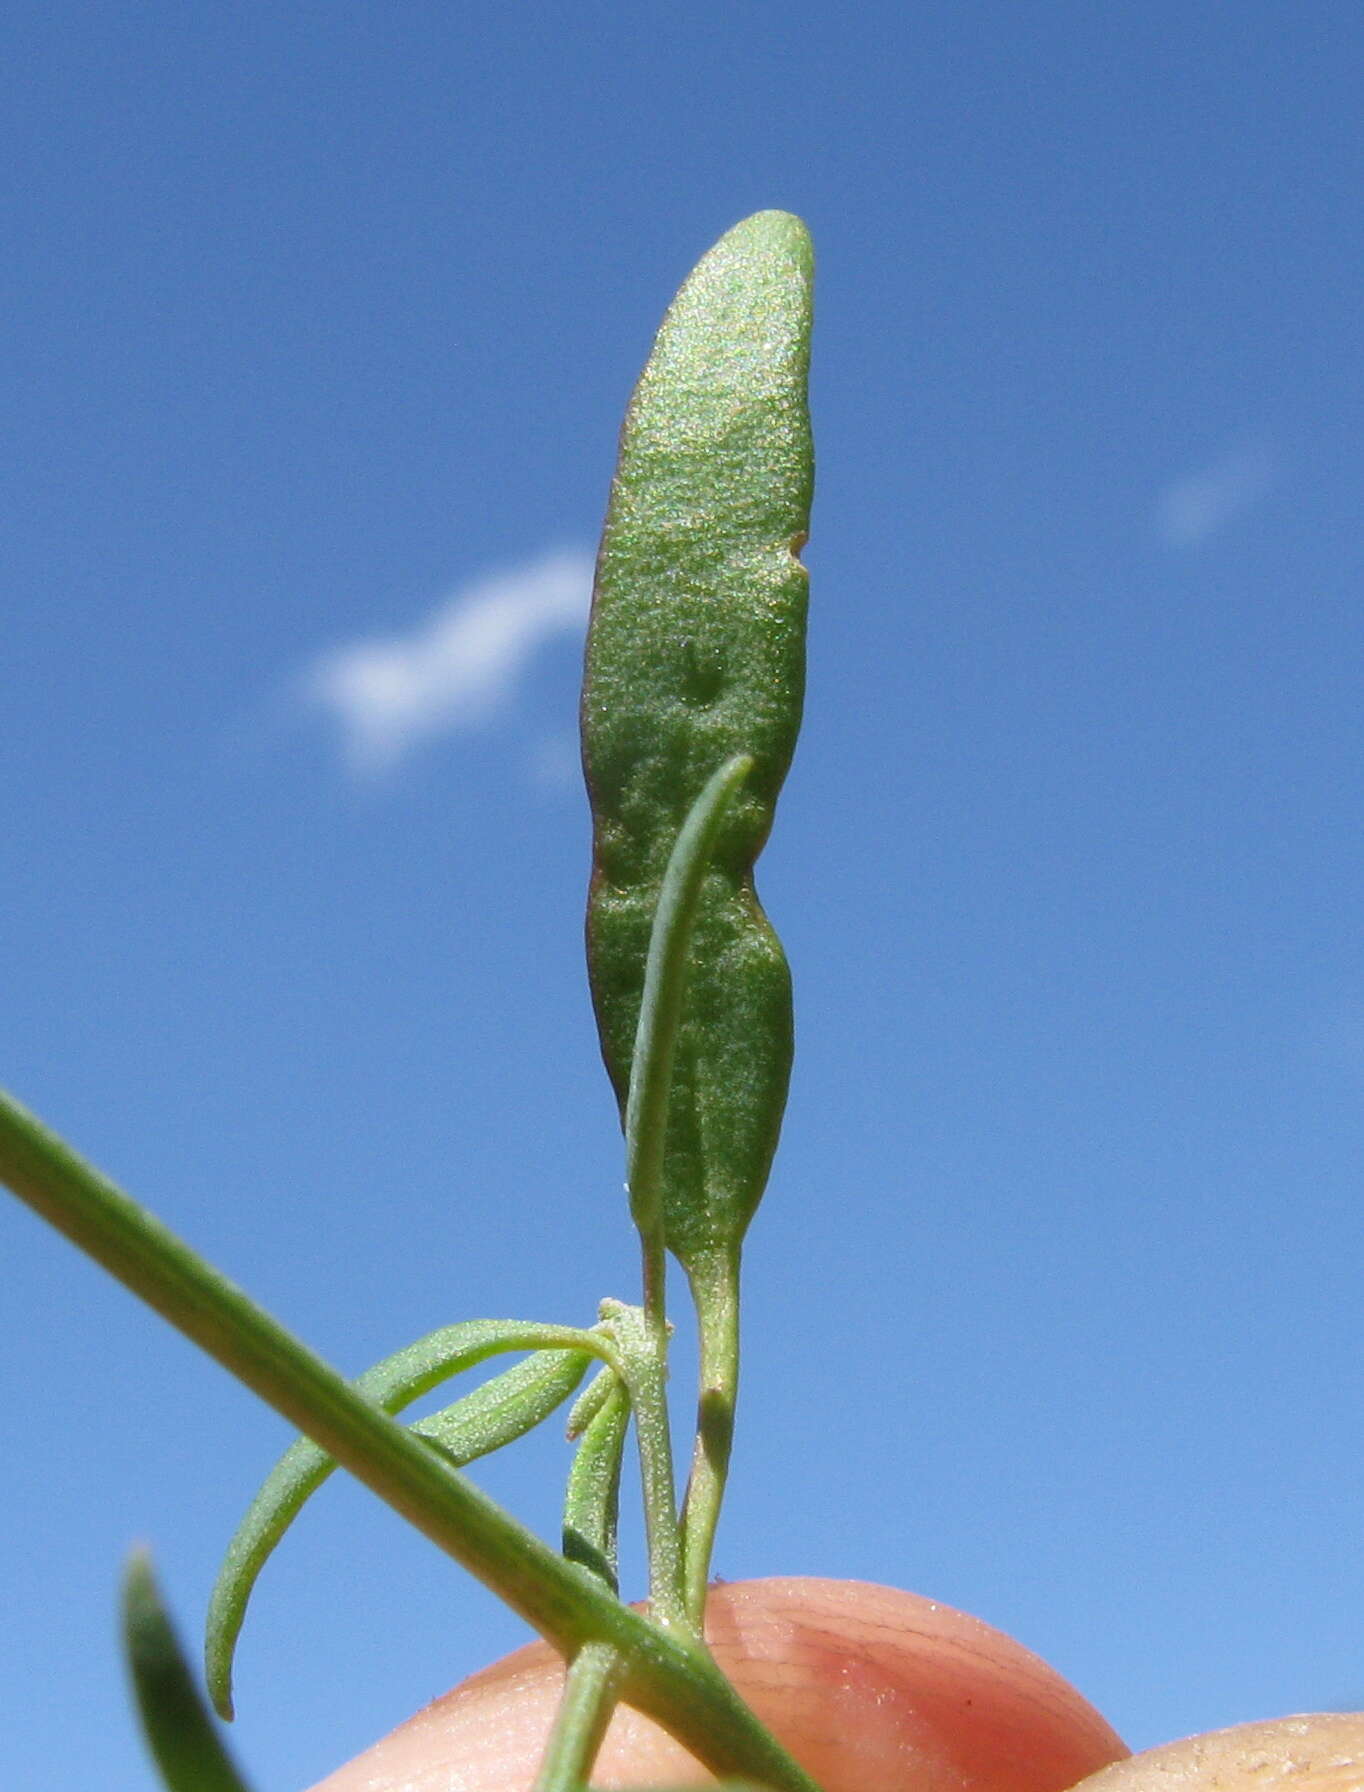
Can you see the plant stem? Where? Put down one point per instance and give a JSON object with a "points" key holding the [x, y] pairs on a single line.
{"points": [[663, 1675], [646, 1129], [590, 1516], [590, 1691], [585, 1707], [642, 1342], [715, 1291]]}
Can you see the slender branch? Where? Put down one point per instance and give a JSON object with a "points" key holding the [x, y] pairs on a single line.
{"points": [[580, 1723], [645, 1369], [591, 1509], [646, 1128], [663, 1675], [715, 1290]]}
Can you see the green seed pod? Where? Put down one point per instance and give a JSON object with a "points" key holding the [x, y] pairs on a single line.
{"points": [[696, 653]]}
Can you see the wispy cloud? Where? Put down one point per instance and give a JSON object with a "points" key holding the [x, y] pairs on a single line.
{"points": [[1196, 506], [456, 669]]}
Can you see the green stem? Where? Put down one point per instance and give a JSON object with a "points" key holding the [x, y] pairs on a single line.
{"points": [[590, 1515], [585, 1707], [591, 1688], [643, 1352], [646, 1129], [715, 1290], [590, 1691], [663, 1676]]}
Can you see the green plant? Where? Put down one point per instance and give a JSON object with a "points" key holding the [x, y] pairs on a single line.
{"points": [[691, 703]]}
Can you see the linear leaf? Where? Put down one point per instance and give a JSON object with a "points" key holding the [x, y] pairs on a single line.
{"points": [[505, 1408], [590, 1402], [665, 980], [175, 1720], [494, 1414], [592, 1503]]}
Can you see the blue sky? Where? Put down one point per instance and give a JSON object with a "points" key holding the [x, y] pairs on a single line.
{"points": [[320, 322]]}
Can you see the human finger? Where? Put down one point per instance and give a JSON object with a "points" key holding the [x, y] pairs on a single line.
{"points": [[867, 1686], [1321, 1752]]}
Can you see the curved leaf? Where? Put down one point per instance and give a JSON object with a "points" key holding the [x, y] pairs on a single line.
{"points": [[496, 1413], [590, 1402], [505, 1408], [592, 1502], [665, 983]]}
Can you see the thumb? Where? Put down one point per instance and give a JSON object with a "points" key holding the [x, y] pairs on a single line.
{"points": [[868, 1688]]}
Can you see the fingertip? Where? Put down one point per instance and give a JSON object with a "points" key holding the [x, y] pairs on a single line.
{"points": [[867, 1686], [1316, 1752]]}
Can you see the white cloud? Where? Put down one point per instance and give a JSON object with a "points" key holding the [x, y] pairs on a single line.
{"points": [[1197, 506], [454, 670]]}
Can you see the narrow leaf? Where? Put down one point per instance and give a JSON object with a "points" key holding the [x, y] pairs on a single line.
{"points": [[592, 1504], [590, 1402], [505, 1408], [494, 1414], [660, 1009], [176, 1722]]}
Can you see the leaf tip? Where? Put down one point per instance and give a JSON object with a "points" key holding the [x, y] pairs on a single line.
{"points": [[218, 1670]]}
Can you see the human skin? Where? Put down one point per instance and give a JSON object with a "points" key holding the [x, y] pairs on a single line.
{"points": [[871, 1689], [1320, 1752]]}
